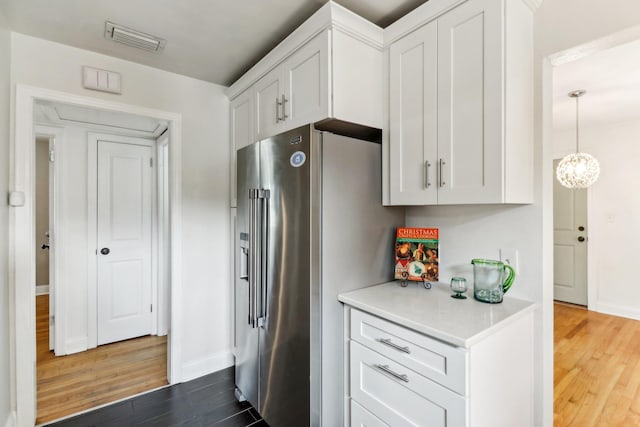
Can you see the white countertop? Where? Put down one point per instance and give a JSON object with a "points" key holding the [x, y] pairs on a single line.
{"points": [[461, 322]]}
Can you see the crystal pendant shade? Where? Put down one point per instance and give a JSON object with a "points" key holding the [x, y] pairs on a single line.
{"points": [[578, 170]]}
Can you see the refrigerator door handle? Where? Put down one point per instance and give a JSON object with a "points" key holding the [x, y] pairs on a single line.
{"points": [[264, 246], [254, 266]]}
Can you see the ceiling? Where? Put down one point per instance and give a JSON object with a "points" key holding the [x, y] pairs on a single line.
{"points": [[612, 81], [211, 40]]}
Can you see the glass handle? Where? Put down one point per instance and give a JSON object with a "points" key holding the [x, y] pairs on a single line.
{"points": [[511, 274]]}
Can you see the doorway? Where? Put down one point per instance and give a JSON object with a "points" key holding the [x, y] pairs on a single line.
{"points": [[591, 345], [569, 243], [121, 192], [23, 241]]}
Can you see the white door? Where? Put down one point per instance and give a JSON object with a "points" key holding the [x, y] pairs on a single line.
{"points": [[469, 104], [413, 109], [569, 243], [124, 241], [306, 77]]}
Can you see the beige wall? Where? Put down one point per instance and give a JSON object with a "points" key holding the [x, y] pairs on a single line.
{"points": [[42, 210], [205, 182]]}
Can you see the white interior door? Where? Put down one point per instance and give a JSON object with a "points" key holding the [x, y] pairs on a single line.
{"points": [[124, 241], [569, 243]]}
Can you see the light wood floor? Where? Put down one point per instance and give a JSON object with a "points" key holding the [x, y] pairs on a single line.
{"points": [[74, 383], [597, 369]]}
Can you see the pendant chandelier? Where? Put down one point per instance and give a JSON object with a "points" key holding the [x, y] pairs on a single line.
{"points": [[578, 170]]}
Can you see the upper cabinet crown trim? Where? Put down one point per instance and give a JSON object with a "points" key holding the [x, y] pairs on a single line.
{"points": [[428, 12], [331, 15]]}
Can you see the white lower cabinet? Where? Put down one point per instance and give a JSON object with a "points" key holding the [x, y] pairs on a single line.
{"points": [[360, 417], [400, 396], [400, 377]]}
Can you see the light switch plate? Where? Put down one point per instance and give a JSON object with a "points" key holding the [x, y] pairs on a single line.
{"points": [[102, 80], [16, 198], [510, 256]]}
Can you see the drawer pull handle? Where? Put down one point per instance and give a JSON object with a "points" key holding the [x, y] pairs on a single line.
{"points": [[388, 342], [387, 370]]}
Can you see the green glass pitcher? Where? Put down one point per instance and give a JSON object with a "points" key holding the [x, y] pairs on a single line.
{"points": [[491, 279]]}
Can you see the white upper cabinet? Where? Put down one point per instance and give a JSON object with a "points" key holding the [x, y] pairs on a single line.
{"points": [[413, 110], [460, 105], [268, 91], [296, 92], [306, 83], [331, 67]]}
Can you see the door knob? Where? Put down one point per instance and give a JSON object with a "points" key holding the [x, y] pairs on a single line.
{"points": [[105, 251], [580, 239], [581, 228]]}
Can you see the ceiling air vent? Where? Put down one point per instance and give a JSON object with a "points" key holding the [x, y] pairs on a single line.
{"points": [[133, 38]]}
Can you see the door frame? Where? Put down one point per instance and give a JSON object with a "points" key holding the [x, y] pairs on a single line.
{"points": [[92, 229], [592, 289], [55, 135], [22, 235]]}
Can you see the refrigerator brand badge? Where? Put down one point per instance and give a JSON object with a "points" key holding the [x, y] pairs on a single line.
{"points": [[296, 140], [297, 159]]}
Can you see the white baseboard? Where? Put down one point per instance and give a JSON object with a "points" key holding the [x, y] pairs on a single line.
{"points": [[42, 289], [618, 310], [11, 420], [197, 368]]}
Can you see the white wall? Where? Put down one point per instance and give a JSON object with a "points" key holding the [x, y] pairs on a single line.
{"points": [[206, 341], [613, 209], [5, 379]]}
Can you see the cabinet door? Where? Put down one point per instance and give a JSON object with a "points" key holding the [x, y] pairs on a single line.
{"points": [[413, 118], [241, 129], [470, 158], [306, 76], [268, 94]]}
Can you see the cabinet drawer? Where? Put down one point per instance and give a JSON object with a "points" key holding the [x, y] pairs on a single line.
{"points": [[443, 363], [360, 417], [400, 396]]}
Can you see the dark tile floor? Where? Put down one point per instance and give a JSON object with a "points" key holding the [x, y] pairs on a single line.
{"points": [[205, 401]]}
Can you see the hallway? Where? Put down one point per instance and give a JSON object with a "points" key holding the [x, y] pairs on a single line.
{"points": [[596, 368], [77, 382]]}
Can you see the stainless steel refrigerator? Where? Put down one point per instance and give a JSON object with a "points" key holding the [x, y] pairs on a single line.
{"points": [[310, 224]]}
